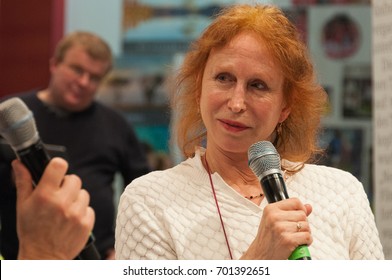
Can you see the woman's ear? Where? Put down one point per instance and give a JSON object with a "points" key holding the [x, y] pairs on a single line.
{"points": [[284, 114]]}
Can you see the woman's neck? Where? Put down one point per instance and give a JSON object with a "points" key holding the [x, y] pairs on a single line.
{"points": [[234, 170]]}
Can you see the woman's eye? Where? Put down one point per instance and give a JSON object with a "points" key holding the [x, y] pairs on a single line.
{"points": [[224, 77], [259, 85]]}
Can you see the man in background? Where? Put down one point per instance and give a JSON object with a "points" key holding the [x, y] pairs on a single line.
{"points": [[96, 141]]}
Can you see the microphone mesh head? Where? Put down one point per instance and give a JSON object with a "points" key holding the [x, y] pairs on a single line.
{"points": [[17, 124], [262, 156]]}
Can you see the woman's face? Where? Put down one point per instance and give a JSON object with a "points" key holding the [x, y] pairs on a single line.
{"points": [[241, 99]]}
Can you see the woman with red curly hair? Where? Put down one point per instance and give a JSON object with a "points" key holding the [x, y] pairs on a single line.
{"points": [[247, 79]]}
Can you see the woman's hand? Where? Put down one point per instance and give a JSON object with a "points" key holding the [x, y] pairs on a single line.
{"points": [[283, 228]]}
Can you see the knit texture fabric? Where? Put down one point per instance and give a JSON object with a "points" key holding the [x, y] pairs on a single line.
{"points": [[172, 214]]}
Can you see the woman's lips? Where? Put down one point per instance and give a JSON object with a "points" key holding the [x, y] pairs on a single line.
{"points": [[233, 126]]}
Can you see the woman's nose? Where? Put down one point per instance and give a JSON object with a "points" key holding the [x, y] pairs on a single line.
{"points": [[236, 102]]}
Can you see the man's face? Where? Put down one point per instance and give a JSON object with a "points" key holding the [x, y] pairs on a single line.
{"points": [[75, 80]]}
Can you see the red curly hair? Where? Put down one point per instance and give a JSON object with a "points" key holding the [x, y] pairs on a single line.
{"points": [[306, 98]]}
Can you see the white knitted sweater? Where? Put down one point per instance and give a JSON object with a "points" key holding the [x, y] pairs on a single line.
{"points": [[171, 214]]}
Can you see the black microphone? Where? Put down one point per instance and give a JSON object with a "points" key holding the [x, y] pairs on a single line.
{"points": [[18, 128], [264, 161]]}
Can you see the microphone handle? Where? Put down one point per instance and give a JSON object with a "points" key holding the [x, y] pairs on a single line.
{"points": [[36, 158], [89, 252], [274, 189]]}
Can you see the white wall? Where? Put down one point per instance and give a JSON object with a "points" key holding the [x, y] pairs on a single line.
{"points": [[382, 120], [99, 16]]}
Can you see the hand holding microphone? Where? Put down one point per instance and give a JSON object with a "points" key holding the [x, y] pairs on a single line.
{"points": [[63, 192], [54, 220], [264, 161]]}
